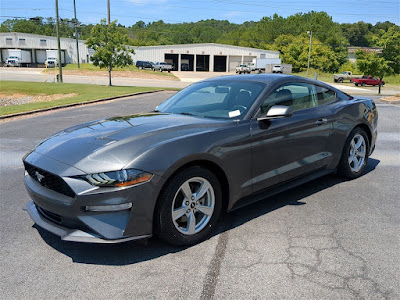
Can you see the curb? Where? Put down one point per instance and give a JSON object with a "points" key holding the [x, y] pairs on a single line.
{"points": [[74, 104], [389, 101]]}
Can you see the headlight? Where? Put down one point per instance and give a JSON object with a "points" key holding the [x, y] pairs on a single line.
{"points": [[118, 178]]}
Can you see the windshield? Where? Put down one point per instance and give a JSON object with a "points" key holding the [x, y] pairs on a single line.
{"points": [[214, 99]]}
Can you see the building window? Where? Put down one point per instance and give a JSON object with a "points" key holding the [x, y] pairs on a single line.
{"points": [[22, 41], [262, 55], [42, 42], [8, 41]]}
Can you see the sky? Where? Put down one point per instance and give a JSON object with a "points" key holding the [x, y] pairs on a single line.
{"points": [[128, 12]]}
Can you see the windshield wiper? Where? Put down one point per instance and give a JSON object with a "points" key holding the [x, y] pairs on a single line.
{"points": [[186, 114]]}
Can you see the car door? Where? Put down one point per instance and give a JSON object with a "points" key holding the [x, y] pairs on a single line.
{"points": [[289, 147]]}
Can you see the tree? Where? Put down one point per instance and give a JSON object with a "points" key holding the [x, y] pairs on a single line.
{"points": [[390, 41], [294, 50], [371, 63], [109, 44]]}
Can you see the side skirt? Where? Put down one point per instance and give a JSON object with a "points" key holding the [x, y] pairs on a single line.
{"points": [[279, 188]]}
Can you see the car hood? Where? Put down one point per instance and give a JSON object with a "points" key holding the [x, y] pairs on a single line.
{"points": [[113, 143]]}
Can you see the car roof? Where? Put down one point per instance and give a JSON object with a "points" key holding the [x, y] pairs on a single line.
{"points": [[270, 78], [255, 77]]}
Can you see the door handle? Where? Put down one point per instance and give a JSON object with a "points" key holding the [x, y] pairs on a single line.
{"points": [[321, 121]]}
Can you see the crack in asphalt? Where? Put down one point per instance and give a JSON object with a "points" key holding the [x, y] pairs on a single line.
{"points": [[210, 281], [319, 257]]}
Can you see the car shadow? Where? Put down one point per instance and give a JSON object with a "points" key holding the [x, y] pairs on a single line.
{"points": [[138, 251]]}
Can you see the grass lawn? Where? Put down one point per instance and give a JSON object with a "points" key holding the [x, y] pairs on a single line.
{"points": [[82, 93], [91, 68]]}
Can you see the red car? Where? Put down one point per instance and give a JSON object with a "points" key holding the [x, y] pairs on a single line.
{"points": [[366, 80]]}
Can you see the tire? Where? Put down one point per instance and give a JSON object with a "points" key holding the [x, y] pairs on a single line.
{"points": [[340, 80], [177, 230], [363, 84], [356, 84], [153, 70], [354, 158]]}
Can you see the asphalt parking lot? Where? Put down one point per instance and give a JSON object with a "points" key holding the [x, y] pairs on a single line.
{"points": [[328, 239]]}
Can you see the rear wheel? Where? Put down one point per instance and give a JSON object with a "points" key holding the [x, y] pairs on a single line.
{"points": [[355, 154], [340, 80], [363, 84], [189, 208]]}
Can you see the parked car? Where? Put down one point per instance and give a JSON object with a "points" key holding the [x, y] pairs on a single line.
{"points": [[214, 146], [277, 69], [144, 64], [346, 75], [185, 67], [366, 80], [243, 69], [162, 66]]}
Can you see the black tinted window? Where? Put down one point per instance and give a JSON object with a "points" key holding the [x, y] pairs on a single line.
{"points": [[296, 95]]}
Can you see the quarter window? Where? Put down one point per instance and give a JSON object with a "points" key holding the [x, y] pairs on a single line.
{"points": [[325, 95]]}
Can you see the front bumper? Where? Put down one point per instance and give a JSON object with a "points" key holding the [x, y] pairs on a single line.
{"points": [[67, 216], [72, 235]]}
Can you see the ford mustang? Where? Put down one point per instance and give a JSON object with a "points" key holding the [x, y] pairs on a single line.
{"points": [[212, 147]]}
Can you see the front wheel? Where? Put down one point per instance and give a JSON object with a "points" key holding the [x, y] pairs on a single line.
{"points": [[355, 154], [363, 84], [189, 208], [340, 80]]}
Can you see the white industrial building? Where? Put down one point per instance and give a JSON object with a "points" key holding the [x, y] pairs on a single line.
{"points": [[193, 57], [202, 57], [38, 44]]}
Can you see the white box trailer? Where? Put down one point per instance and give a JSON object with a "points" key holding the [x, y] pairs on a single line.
{"points": [[260, 64], [18, 58], [52, 57]]}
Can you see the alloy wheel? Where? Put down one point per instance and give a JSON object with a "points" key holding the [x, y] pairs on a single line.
{"points": [[357, 153], [193, 205]]}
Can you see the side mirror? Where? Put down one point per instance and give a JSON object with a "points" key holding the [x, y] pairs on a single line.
{"points": [[276, 112]]}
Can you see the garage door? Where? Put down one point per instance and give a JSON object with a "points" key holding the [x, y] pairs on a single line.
{"points": [[248, 59], [234, 61], [40, 56]]}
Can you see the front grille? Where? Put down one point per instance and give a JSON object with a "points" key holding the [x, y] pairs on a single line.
{"points": [[49, 215], [68, 222], [49, 180]]}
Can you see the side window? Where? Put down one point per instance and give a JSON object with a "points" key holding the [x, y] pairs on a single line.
{"points": [[324, 95], [296, 95]]}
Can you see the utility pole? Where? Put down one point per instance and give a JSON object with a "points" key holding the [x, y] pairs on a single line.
{"points": [[60, 79], [109, 22], [76, 35], [309, 52]]}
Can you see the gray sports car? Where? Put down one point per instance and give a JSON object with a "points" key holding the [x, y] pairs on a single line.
{"points": [[212, 147]]}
